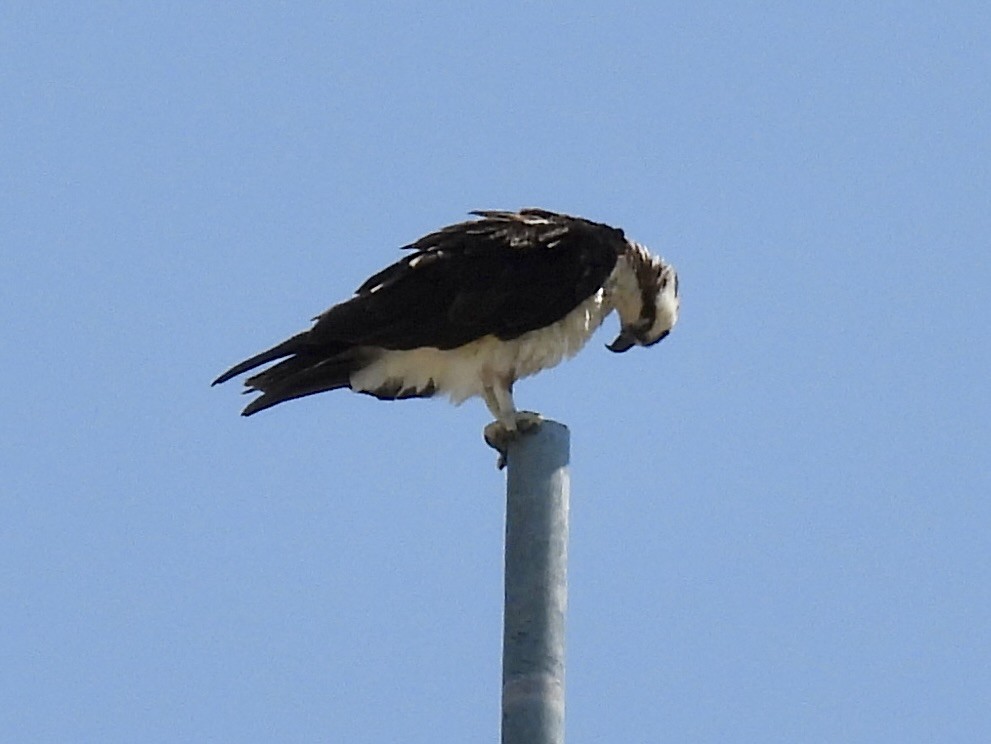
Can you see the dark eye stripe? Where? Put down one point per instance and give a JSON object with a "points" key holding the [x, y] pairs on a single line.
{"points": [[658, 340]]}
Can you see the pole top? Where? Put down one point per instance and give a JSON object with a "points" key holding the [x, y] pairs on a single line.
{"points": [[547, 446]]}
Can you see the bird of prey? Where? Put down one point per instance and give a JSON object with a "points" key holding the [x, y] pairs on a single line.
{"points": [[473, 308]]}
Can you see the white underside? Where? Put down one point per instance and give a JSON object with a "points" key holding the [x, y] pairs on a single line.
{"points": [[487, 362]]}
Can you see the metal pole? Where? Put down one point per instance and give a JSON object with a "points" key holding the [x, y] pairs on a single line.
{"points": [[537, 494]]}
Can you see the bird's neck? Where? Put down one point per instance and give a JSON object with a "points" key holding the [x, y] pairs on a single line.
{"points": [[623, 288]]}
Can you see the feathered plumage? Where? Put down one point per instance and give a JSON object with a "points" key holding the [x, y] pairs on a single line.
{"points": [[472, 308]]}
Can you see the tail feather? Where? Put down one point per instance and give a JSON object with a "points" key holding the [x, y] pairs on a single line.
{"points": [[279, 373], [286, 348], [297, 378], [310, 368]]}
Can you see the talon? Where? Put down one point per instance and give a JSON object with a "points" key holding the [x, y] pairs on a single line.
{"points": [[499, 436], [528, 421]]}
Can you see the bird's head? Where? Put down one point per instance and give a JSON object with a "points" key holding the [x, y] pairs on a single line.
{"points": [[658, 305]]}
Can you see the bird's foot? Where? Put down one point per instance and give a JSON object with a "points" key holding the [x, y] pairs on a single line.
{"points": [[499, 435]]}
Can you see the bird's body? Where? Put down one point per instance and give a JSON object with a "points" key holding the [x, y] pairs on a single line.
{"points": [[465, 371], [475, 307]]}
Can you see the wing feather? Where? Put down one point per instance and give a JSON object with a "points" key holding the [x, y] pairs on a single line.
{"points": [[504, 274]]}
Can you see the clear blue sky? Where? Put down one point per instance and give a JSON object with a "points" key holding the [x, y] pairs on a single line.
{"points": [[781, 524]]}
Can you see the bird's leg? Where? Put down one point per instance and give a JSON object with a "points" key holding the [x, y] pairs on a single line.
{"points": [[499, 433], [509, 423]]}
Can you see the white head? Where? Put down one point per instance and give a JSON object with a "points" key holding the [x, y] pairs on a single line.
{"points": [[659, 303]]}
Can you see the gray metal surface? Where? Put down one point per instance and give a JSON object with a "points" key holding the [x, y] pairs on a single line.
{"points": [[536, 585]]}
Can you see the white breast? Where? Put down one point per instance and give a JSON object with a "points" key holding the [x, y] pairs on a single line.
{"points": [[463, 372]]}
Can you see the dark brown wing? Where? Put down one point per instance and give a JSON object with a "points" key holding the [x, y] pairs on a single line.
{"points": [[504, 274]]}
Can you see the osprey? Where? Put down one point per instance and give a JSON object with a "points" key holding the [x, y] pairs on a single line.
{"points": [[473, 308]]}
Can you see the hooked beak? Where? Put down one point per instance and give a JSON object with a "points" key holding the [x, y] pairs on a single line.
{"points": [[624, 342], [627, 339]]}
